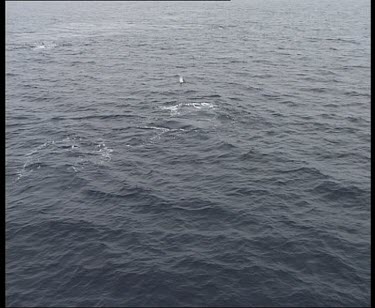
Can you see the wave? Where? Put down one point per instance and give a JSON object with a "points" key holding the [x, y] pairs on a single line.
{"points": [[172, 125], [348, 195], [90, 117]]}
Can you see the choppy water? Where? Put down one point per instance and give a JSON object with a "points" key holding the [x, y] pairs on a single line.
{"points": [[247, 186]]}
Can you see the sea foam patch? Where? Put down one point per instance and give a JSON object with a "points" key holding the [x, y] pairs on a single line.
{"points": [[188, 107], [72, 151]]}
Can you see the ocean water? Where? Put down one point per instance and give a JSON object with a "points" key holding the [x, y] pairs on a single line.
{"points": [[249, 185]]}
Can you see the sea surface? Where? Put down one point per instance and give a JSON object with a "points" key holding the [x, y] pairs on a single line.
{"points": [[248, 185]]}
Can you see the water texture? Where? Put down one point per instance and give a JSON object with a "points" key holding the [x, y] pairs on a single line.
{"points": [[249, 185]]}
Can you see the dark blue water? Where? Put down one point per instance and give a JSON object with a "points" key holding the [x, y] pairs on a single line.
{"points": [[249, 185]]}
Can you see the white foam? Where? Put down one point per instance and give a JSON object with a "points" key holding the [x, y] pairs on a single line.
{"points": [[200, 105], [32, 157], [104, 152], [45, 46], [177, 109], [95, 153], [24, 171], [173, 109], [164, 129]]}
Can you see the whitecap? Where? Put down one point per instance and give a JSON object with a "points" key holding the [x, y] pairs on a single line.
{"points": [[186, 107], [173, 109], [44, 46], [163, 129]]}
